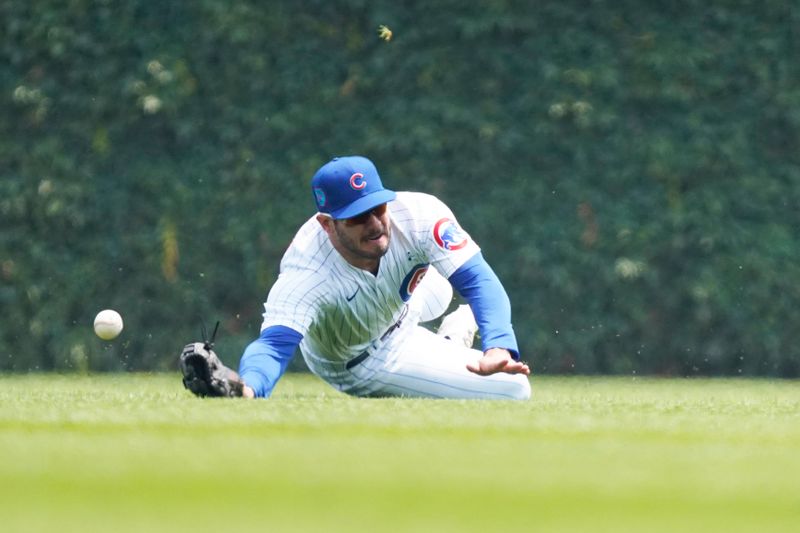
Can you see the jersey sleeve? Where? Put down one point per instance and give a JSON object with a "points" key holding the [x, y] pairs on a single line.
{"points": [[446, 244], [480, 286], [265, 359], [294, 301]]}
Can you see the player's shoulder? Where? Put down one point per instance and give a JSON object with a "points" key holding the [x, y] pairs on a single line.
{"points": [[417, 206], [417, 200], [308, 251]]}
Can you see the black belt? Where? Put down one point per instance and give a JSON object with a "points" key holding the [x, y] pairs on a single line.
{"points": [[357, 360]]}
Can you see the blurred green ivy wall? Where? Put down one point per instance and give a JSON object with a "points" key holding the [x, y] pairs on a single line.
{"points": [[631, 169]]}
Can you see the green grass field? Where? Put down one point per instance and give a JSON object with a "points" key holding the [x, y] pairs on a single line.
{"points": [[138, 453]]}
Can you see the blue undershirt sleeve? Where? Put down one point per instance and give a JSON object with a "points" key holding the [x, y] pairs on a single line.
{"points": [[477, 283], [265, 359]]}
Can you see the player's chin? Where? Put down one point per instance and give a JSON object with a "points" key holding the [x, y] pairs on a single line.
{"points": [[378, 245]]}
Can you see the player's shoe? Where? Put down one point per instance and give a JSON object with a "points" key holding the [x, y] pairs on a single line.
{"points": [[205, 375], [459, 326]]}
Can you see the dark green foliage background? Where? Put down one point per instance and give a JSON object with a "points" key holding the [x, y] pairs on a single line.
{"points": [[631, 169]]}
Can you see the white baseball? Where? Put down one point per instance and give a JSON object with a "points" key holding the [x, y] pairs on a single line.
{"points": [[107, 324]]}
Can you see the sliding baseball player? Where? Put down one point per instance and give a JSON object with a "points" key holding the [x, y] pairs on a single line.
{"points": [[355, 284]]}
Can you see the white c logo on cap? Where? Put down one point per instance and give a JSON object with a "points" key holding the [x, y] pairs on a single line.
{"points": [[357, 181]]}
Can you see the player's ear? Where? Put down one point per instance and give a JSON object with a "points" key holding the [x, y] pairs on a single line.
{"points": [[326, 223]]}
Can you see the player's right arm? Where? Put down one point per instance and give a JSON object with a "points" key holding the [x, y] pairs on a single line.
{"points": [[291, 307], [292, 304], [265, 359]]}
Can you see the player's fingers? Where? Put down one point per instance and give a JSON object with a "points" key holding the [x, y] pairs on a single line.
{"points": [[517, 367], [493, 367], [500, 365], [477, 368], [487, 368]]}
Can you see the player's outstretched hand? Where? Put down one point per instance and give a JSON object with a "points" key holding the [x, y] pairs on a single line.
{"points": [[496, 360]]}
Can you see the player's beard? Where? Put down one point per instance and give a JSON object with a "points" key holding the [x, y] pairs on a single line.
{"points": [[372, 250]]}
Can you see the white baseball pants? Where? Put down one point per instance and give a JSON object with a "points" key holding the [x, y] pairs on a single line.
{"points": [[415, 362]]}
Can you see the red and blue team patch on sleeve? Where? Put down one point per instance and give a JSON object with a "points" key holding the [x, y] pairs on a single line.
{"points": [[448, 235]]}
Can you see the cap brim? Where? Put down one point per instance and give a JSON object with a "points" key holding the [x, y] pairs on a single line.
{"points": [[364, 204]]}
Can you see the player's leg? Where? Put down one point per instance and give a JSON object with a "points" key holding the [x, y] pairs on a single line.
{"points": [[459, 326], [419, 363], [427, 365], [432, 296]]}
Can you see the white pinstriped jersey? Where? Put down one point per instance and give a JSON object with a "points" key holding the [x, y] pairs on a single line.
{"points": [[340, 309]]}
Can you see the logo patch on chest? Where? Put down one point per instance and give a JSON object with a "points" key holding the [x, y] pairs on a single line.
{"points": [[412, 279]]}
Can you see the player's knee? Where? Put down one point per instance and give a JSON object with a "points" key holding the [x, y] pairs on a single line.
{"points": [[522, 388]]}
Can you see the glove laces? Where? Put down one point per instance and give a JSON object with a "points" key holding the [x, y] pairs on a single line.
{"points": [[208, 343]]}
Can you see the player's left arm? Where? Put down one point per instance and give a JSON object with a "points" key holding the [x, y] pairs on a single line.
{"points": [[479, 285]]}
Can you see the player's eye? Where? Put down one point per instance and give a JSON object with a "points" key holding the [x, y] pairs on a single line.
{"points": [[364, 217]]}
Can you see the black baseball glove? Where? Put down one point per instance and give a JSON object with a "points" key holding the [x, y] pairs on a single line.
{"points": [[205, 375]]}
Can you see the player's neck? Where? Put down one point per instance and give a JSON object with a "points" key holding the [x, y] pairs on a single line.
{"points": [[370, 265]]}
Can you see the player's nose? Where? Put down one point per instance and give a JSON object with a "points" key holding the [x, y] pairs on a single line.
{"points": [[373, 222]]}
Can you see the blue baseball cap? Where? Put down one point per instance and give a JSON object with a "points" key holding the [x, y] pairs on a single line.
{"points": [[348, 186]]}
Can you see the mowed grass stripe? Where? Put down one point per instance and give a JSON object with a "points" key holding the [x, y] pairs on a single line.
{"points": [[137, 452]]}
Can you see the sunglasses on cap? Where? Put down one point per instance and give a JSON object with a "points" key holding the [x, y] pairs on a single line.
{"points": [[361, 219]]}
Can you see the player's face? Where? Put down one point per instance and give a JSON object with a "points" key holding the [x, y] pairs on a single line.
{"points": [[362, 240]]}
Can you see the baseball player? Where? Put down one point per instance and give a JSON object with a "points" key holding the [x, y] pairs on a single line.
{"points": [[355, 284]]}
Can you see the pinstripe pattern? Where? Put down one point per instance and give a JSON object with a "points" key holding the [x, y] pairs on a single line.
{"points": [[341, 310], [419, 364]]}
